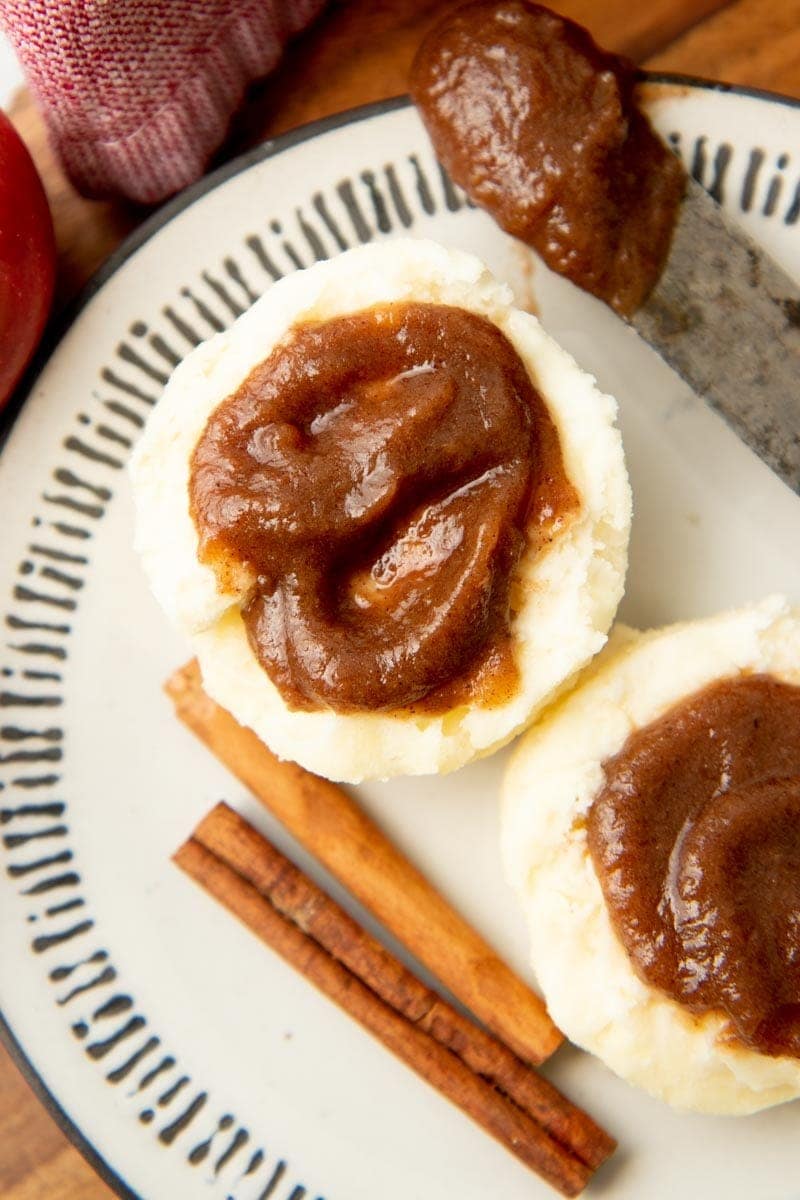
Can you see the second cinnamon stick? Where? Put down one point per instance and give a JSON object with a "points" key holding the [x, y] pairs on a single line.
{"points": [[287, 910], [230, 838]]}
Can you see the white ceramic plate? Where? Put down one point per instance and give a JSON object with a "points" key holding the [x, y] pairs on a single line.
{"points": [[183, 1057]]}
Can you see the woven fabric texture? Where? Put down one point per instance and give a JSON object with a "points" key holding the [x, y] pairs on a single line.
{"points": [[138, 94]]}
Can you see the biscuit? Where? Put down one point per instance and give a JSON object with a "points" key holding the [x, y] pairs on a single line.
{"points": [[569, 590], [591, 988]]}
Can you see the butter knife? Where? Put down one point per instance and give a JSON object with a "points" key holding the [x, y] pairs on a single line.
{"points": [[727, 319]]}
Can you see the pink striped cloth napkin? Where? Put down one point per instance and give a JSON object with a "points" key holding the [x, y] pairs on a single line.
{"points": [[138, 94]]}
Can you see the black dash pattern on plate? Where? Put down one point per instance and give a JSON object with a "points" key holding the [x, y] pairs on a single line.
{"points": [[764, 182]]}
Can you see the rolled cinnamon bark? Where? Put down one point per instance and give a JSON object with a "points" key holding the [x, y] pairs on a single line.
{"points": [[482, 1076]]}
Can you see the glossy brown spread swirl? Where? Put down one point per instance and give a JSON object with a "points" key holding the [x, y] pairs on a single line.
{"points": [[696, 841], [541, 128], [377, 477]]}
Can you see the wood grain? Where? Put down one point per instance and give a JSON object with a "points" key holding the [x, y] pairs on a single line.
{"points": [[360, 51], [37, 1162], [754, 42]]}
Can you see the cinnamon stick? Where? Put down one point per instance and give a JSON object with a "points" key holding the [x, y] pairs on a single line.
{"points": [[331, 826], [298, 920]]}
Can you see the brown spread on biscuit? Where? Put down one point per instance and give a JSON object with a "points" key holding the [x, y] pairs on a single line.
{"points": [[376, 479], [695, 837]]}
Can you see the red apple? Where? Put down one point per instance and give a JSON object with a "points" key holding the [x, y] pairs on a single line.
{"points": [[27, 258]]}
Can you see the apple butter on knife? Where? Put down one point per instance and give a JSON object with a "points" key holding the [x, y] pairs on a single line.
{"points": [[540, 127]]}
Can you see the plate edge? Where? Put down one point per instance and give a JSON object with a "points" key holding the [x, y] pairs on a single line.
{"points": [[62, 1119], [63, 322]]}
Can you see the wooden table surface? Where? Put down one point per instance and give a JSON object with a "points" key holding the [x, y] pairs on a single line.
{"points": [[357, 52]]}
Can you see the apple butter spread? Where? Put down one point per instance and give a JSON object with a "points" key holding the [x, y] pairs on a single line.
{"points": [[540, 127], [695, 837], [376, 479]]}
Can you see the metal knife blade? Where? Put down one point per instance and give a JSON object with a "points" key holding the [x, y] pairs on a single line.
{"points": [[727, 318]]}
